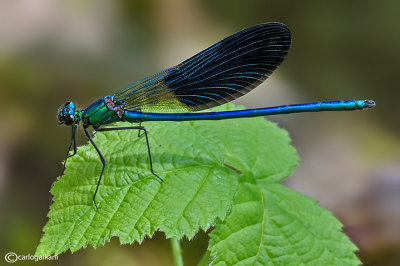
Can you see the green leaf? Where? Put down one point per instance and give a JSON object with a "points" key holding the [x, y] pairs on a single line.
{"points": [[273, 225], [200, 163]]}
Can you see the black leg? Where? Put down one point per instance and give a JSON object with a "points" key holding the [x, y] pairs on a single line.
{"points": [[102, 161], [147, 142], [73, 142], [140, 124]]}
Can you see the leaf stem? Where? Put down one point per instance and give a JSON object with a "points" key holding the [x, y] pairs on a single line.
{"points": [[205, 260], [176, 251]]}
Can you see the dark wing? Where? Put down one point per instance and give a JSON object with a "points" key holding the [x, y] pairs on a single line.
{"points": [[217, 75]]}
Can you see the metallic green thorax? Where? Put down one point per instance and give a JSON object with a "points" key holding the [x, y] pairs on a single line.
{"points": [[99, 113]]}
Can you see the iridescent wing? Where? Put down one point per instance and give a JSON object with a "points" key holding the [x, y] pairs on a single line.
{"points": [[217, 75]]}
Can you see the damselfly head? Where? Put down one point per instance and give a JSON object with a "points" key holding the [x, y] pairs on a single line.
{"points": [[66, 115]]}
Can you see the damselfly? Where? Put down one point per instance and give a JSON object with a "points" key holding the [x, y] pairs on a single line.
{"points": [[217, 75]]}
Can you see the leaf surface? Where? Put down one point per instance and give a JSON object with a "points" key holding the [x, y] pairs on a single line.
{"points": [[200, 163]]}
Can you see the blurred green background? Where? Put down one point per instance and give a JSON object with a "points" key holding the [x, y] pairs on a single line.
{"points": [[54, 51]]}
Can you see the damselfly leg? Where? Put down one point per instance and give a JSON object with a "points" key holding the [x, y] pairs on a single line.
{"points": [[72, 143], [102, 158], [140, 124]]}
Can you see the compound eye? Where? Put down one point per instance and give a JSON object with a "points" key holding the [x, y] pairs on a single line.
{"points": [[69, 119]]}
